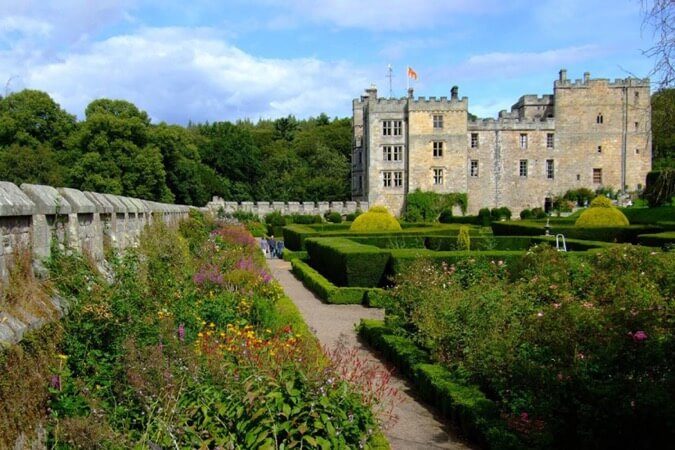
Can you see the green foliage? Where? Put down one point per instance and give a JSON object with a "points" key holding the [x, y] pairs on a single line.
{"points": [[581, 196], [333, 217], [463, 239], [484, 217], [347, 263], [650, 216], [427, 206], [352, 216], [576, 351], [217, 353], [526, 214], [116, 149], [663, 129], [295, 235], [538, 213], [601, 214], [660, 188], [378, 218], [665, 240], [330, 293]]}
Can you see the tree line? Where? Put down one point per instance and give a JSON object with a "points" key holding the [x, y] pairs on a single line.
{"points": [[116, 149]]}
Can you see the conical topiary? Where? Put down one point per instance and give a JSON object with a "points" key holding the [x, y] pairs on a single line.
{"points": [[377, 218], [602, 213]]}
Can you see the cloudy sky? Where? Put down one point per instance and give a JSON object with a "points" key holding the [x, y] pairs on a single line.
{"points": [[212, 60]]}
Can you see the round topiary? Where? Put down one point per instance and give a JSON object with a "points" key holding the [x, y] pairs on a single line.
{"points": [[378, 218], [602, 213]]}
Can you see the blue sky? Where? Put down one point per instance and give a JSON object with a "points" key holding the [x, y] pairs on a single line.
{"points": [[211, 60]]}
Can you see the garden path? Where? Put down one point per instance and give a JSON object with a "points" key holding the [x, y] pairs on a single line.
{"points": [[418, 426]]}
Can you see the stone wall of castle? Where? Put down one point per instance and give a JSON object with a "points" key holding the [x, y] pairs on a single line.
{"points": [[34, 217], [590, 133], [260, 209]]}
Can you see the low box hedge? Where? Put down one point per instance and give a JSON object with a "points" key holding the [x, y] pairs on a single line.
{"points": [[325, 290], [347, 263], [395, 241], [405, 257], [295, 235], [663, 240], [649, 216], [480, 243], [607, 234], [475, 415], [289, 255]]}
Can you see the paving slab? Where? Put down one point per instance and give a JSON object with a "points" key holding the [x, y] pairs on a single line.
{"points": [[417, 426]]}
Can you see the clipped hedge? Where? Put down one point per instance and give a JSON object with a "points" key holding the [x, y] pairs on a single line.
{"points": [[405, 257], [663, 240], [650, 216], [476, 416], [607, 234], [482, 243], [295, 235], [391, 241], [347, 263], [289, 255], [326, 290]]}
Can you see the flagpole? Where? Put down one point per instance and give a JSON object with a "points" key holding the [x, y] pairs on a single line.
{"points": [[407, 77]]}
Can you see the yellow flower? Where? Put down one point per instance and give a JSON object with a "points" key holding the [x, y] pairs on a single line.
{"points": [[200, 334], [62, 357]]}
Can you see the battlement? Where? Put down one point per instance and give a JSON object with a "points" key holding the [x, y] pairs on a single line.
{"points": [[391, 104], [564, 83], [262, 208]]}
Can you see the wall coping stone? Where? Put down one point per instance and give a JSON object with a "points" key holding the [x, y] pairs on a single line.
{"points": [[128, 204], [47, 199], [79, 203], [103, 206], [13, 201], [117, 204]]}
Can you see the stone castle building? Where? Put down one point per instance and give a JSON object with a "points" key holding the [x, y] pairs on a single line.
{"points": [[590, 133]]}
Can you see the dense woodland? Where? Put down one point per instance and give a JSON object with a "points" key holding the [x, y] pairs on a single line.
{"points": [[116, 149]]}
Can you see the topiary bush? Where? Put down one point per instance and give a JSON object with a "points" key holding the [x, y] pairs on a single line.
{"points": [[378, 218], [446, 216], [352, 216], [526, 214], [463, 238], [602, 214], [484, 217], [333, 217]]}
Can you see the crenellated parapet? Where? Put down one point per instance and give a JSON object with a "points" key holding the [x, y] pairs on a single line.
{"points": [[260, 209]]}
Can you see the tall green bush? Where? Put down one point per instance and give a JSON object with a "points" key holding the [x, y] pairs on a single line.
{"points": [[463, 238], [378, 218], [427, 206]]}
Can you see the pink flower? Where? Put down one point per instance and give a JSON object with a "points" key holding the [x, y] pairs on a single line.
{"points": [[639, 336], [55, 382], [557, 305], [525, 417], [181, 332]]}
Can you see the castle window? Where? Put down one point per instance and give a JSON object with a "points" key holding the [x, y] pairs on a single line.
{"points": [[392, 152], [637, 97], [550, 169], [523, 168], [637, 151], [438, 149], [360, 157], [438, 122], [599, 118], [398, 179], [599, 148], [473, 171], [549, 140], [474, 140], [392, 127], [523, 140], [438, 176], [360, 183], [386, 176], [597, 176], [578, 177], [637, 126]]}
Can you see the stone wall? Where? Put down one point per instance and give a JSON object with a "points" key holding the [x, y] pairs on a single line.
{"points": [[218, 205], [33, 217]]}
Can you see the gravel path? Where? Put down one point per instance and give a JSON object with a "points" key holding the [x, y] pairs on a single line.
{"points": [[418, 426]]}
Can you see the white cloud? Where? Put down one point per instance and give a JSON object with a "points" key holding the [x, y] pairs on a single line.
{"points": [[177, 74], [505, 64]]}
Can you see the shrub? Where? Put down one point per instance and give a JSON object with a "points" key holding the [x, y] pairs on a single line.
{"points": [[463, 238], [539, 213], [526, 214], [601, 214], [275, 218], [352, 216], [660, 187], [446, 216], [505, 213], [378, 218], [484, 217], [305, 219], [427, 206], [333, 217]]}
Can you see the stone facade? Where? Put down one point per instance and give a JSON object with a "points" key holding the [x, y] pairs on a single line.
{"points": [[590, 133], [260, 209]]}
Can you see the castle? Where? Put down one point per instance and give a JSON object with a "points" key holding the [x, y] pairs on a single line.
{"points": [[590, 133]]}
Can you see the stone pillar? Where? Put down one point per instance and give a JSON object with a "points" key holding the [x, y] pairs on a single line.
{"points": [[85, 221], [51, 218]]}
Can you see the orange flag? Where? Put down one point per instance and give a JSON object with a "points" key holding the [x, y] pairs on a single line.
{"points": [[411, 73]]}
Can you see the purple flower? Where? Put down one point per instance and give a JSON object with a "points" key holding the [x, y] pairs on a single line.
{"points": [[639, 336], [181, 332], [55, 382]]}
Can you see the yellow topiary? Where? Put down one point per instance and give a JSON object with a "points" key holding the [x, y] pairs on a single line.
{"points": [[602, 213], [378, 218]]}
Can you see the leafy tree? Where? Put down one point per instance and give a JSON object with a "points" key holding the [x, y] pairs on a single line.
{"points": [[32, 118], [663, 129]]}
